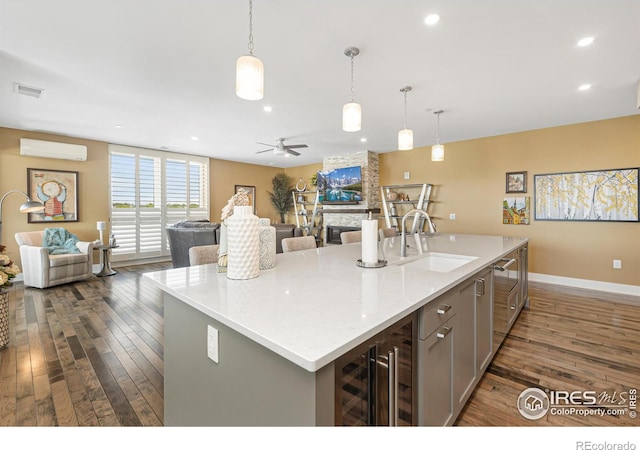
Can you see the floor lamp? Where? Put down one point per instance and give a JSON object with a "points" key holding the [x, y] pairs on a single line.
{"points": [[26, 207]]}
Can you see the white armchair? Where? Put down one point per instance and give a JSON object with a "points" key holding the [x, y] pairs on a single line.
{"points": [[42, 270]]}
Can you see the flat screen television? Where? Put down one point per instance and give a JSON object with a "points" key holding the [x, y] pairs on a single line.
{"points": [[343, 185]]}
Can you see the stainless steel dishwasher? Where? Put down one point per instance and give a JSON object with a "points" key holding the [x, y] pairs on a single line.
{"points": [[506, 280]]}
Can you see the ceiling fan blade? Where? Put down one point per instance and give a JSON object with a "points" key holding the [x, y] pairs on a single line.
{"points": [[264, 151], [296, 146], [292, 152], [262, 143]]}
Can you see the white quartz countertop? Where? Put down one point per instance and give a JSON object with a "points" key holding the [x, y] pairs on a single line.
{"points": [[317, 304]]}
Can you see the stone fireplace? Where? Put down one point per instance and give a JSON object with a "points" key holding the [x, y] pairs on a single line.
{"points": [[338, 218]]}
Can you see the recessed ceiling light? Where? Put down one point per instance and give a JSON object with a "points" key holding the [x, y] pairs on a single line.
{"points": [[363, 139], [432, 19], [584, 87], [194, 138], [118, 126], [268, 108], [586, 41]]}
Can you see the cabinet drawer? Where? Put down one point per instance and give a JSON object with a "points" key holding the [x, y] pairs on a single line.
{"points": [[436, 313]]}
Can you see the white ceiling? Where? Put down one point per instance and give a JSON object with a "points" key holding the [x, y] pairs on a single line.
{"points": [[165, 70]]}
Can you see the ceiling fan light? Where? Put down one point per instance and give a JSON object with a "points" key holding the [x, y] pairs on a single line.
{"points": [[437, 152], [352, 117], [405, 139], [249, 78]]}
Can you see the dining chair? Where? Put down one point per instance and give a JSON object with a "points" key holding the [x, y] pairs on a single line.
{"points": [[348, 237], [293, 244], [387, 232]]}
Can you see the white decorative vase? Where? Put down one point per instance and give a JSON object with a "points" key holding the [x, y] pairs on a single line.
{"points": [[4, 318], [267, 245], [243, 243]]}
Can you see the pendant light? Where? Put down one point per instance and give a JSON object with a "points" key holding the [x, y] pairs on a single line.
{"points": [[351, 112], [437, 151], [250, 70], [405, 136]]}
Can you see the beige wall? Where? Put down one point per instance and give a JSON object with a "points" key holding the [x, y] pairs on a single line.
{"points": [[470, 182], [93, 185], [224, 175]]}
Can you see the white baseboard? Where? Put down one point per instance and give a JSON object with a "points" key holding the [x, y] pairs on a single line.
{"points": [[616, 288]]}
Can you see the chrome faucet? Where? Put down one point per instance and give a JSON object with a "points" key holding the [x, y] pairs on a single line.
{"points": [[403, 235]]}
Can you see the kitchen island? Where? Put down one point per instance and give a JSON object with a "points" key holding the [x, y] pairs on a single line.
{"points": [[278, 335]]}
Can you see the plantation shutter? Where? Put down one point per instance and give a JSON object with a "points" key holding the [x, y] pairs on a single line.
{"points": [[149, 191]]}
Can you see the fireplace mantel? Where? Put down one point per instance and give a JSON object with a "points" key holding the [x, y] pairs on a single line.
{"points": [[349, 211]]}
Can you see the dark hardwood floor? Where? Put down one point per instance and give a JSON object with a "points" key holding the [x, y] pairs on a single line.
{"points": [[91, 354], [567, 340], [86, 353]]}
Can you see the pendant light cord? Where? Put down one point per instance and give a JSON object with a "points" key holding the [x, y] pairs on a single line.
{"points": [[437, 113], [250, 27], [352, 90], [405, 109]]}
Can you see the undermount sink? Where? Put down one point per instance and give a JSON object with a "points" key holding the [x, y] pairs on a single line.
{"points": [[419, 257], [436, 262]]}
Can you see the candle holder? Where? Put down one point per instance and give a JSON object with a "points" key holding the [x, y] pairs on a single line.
{"points": [[380, 263]]}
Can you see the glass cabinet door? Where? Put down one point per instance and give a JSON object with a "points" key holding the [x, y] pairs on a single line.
{"points": [[355, 389], [375, 383]]}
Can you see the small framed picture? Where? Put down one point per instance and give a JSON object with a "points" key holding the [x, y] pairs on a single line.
{"points": [[251, 192], [516, 183]]}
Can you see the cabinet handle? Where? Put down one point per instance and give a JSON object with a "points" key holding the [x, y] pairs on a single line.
{"points": [[393, 387], [480, 282], [443, 309], [442, 333], [505, 266], [390, 362]]}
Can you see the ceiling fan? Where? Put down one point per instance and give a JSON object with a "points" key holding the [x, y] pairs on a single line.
{"points": [[280, 149]]}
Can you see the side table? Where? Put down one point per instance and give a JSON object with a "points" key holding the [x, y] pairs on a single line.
{"points": [[106, 260]]}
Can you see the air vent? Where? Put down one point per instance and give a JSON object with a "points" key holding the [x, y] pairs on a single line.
{"points": [[27, 90]]}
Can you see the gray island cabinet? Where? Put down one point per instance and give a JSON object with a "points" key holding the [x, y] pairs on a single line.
{"points": [[318, 340]]}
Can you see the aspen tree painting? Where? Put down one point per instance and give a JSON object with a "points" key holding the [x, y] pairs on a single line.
{"points": [[603, 195]]}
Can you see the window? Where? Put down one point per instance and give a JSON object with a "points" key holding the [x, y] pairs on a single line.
{"points": [[149, 191]]}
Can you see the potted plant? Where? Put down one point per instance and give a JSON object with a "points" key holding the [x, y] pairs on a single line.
{"points": [[281, 197]]}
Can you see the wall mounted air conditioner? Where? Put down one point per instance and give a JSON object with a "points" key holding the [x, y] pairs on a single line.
{"points": [[48, 149]]}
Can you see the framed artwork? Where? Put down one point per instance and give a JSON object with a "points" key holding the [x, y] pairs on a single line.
{"points": [[599, 196], [516, 183], [251, 191], [516, 211], [58, 191]]}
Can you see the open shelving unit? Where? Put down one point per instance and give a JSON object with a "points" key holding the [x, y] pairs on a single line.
{"points": [[398, 199], [308, 211]]}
